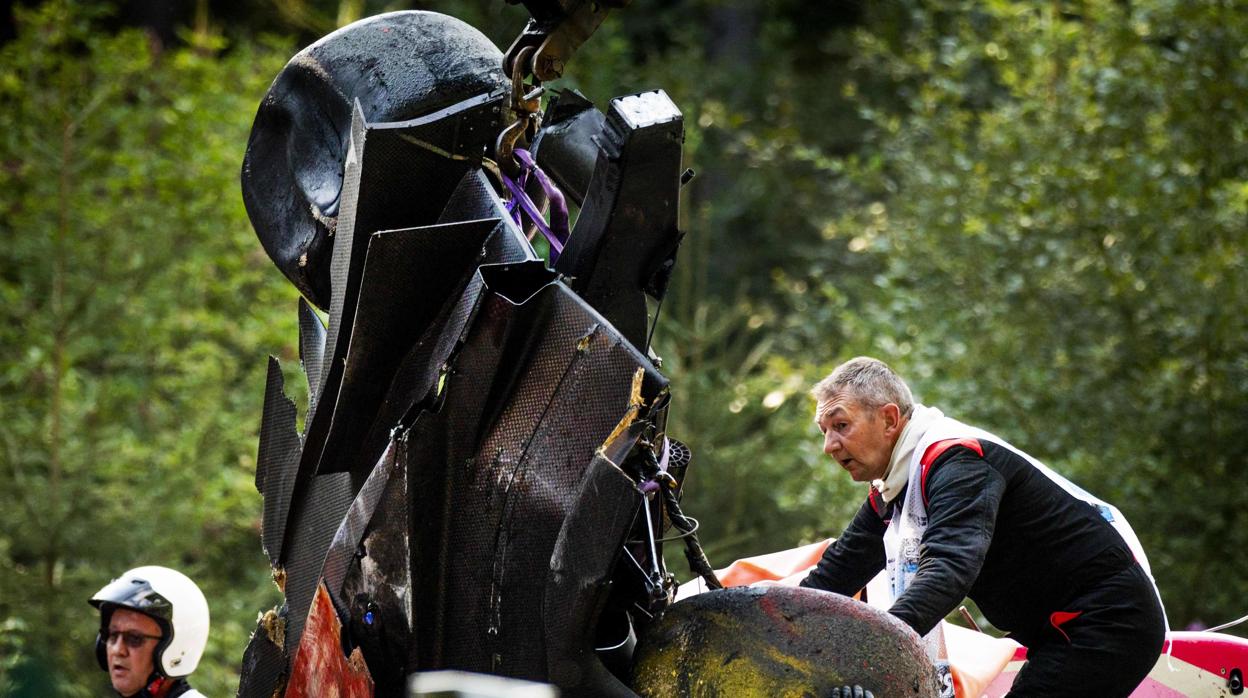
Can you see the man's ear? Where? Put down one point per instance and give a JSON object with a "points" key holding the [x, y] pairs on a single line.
{"points": [[891, 415]]}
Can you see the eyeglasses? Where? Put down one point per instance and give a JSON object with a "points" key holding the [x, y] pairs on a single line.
{"points": [[133, 639]]}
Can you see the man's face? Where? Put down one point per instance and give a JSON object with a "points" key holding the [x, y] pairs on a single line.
{"points": [[861, 439], [129, 667]]}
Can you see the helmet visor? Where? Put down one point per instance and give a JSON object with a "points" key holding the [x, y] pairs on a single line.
{"points": [[137, 594]]}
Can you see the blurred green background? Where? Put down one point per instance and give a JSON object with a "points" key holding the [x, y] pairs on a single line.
{"points": [[1035, 211]]}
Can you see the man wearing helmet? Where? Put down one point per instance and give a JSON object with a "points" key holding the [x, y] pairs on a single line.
{"points": [[153, 628]]}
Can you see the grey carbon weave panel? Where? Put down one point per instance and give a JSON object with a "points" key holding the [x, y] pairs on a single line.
{"points": [[311, 348], [409, 275], [587, 402], [314, 518], [416, 375], [561, 375], [416, 378], [376, 589], [474, 199], [380, 156], [579, 580], [342, 549], [265, 664], [277, 460], [339, 268]]}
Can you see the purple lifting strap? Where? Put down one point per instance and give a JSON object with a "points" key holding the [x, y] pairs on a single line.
{"points": [[557, 232]]}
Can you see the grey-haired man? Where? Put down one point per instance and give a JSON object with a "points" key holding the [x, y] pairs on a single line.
{"points": [[954, 511]]}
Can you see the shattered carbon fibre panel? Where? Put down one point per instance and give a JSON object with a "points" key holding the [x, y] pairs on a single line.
{"points": [[344, 246], [377, 584], [415, 379], [396, 66], [779, 640], [320, 668], [474, 199], [277, 461], [395, 307], [320, 502], [378, 156], [311, 347], [264, 668], [539, 385], [625, 240], [565, 146], [561, 408], [417, 373], [581, 566], [475, 488], [343, 548]]}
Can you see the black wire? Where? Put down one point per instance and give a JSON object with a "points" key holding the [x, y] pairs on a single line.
{"points": [[654, 325], [670, 539], [693, 548]]}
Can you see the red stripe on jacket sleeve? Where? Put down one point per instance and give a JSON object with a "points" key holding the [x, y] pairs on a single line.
{"points": [[935, 450], [1060, 618]]}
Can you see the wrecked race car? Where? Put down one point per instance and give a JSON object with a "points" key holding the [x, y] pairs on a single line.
{"points": [[484, 481]]}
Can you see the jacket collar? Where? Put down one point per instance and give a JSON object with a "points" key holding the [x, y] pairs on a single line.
{"points": [[898, 472]]}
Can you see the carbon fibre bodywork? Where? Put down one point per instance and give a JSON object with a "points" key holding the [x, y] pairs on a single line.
{"points": [[466, 493], [395, 67]]}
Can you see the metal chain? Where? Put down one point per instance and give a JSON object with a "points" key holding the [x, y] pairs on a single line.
{"points": [[525, 105]]}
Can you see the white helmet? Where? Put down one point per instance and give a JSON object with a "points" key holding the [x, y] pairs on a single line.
{"points": [[173, 601]]}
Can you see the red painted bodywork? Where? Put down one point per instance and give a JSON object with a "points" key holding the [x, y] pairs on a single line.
{"points": [[1215, 653], [320, 667]]}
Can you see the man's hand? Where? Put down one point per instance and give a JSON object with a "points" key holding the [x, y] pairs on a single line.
{"points": [[851, 692]]}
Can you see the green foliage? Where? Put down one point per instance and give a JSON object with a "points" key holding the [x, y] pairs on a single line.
{"points": [[758, 481], [137, 310], [1035, 211], [1059, 206]]}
